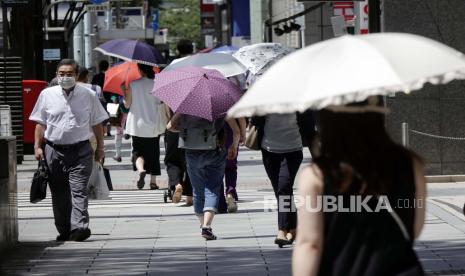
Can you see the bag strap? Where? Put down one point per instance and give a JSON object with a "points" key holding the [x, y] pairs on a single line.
{"points": [[401, 225]]}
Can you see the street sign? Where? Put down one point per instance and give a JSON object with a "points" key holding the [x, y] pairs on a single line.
{"points": [[52, 54], [97, 8]]}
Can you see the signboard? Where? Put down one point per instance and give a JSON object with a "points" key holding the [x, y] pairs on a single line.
{"points": [[52, 54], [344, 8], [361, 17], [97, 8], [11, 3]]}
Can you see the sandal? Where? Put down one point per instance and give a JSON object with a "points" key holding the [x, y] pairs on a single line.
{"points": [[141, 181], [177, 194], [154, 186]]}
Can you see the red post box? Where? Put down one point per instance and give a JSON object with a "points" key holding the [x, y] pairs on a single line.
{"points": [[31, 91]]}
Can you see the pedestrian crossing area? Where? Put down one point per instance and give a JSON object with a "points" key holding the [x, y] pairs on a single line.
{"points": [[136, 198]]}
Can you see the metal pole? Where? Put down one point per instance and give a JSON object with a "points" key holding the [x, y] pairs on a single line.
{"points": [[374, 16], [405, 136]]}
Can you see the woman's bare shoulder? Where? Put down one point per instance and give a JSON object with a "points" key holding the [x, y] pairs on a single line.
{"points": [[311, 179]]}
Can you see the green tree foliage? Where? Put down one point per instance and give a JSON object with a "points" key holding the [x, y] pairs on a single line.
{"points": [[182, 21]]}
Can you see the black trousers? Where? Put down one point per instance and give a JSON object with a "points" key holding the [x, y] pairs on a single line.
{"points": [[70, 170], [175, 161], [282, 169]]}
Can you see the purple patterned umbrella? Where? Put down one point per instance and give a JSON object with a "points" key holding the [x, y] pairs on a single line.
{"points": [[196, 91], [131, 50]]}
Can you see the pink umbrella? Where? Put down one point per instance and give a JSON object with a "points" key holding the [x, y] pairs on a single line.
{"points": [[196, 91]]}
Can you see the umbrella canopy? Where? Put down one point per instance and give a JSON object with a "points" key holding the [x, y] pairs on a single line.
{"points": [[119, 74], [131, 50], [226, 49], [224, 63], [257, 56], [196, 91], [350, 69]]}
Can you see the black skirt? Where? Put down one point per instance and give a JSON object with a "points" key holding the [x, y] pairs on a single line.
{"points": [[149, 149]]}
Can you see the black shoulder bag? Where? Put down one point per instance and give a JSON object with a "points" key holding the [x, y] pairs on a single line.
{"points": [[39, 183]]}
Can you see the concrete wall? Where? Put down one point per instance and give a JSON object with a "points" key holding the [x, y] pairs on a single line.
{"points": [[8, 193], [434, 109]]}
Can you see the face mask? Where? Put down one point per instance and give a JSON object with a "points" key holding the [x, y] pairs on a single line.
{"points": [[66, 82]]}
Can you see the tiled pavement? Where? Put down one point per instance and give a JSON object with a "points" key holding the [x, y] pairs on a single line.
{"points": [[135, 233]]}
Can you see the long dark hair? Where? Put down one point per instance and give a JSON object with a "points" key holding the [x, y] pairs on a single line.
{"points": [[147, 70], [359, 140]]}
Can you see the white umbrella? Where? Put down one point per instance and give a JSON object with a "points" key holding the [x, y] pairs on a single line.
{"points": [[225, 63], [350, 69], [258, 57]]}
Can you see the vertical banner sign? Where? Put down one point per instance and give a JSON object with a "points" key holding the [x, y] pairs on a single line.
{"points": [[361, 17]]}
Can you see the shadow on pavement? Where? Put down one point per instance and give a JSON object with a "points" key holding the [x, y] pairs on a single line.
{"points": [[78, 259]]}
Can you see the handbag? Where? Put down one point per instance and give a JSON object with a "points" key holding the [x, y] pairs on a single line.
{"points": [[39, 183], [97, 186], [251, 140]]}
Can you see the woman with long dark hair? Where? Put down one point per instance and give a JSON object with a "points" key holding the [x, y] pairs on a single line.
{"points": [[357, 158], [145, 123]]}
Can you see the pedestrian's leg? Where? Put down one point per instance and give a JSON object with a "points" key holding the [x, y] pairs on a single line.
{"points": [[293, 161], [79, 174], [272, 164], [153, 162], [214, 173], [140, 163], [230, 177], [61, 196], [195, 165], [222, 206], [118, 143]]}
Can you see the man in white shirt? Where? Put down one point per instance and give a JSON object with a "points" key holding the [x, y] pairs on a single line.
{"points": [[67, 115]]}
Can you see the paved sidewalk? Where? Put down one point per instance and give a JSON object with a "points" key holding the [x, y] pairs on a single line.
{"points": [[136, 233]]}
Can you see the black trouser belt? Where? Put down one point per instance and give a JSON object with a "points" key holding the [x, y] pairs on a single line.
{"points": [[67, 147]]}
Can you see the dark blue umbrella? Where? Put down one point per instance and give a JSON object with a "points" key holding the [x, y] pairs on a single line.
{"points": [[131, 50]]}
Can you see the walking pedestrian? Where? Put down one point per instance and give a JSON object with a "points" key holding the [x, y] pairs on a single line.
{"points": [[145, 122], [281, 138], [83, 79], [358, 158], [123, 114], [228, 194], [175, 159], [99, 79], [203, 142], [67, 116]]}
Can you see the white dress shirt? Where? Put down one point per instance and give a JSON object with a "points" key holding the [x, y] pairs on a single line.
{"points": [[146, 113], [68, 118]]}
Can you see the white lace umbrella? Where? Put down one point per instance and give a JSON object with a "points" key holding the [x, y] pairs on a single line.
{"points": [[226, 64], [350, 69], [256, 57]]}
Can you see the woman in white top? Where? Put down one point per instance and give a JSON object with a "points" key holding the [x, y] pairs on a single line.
{"points": [[145, 122]]}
